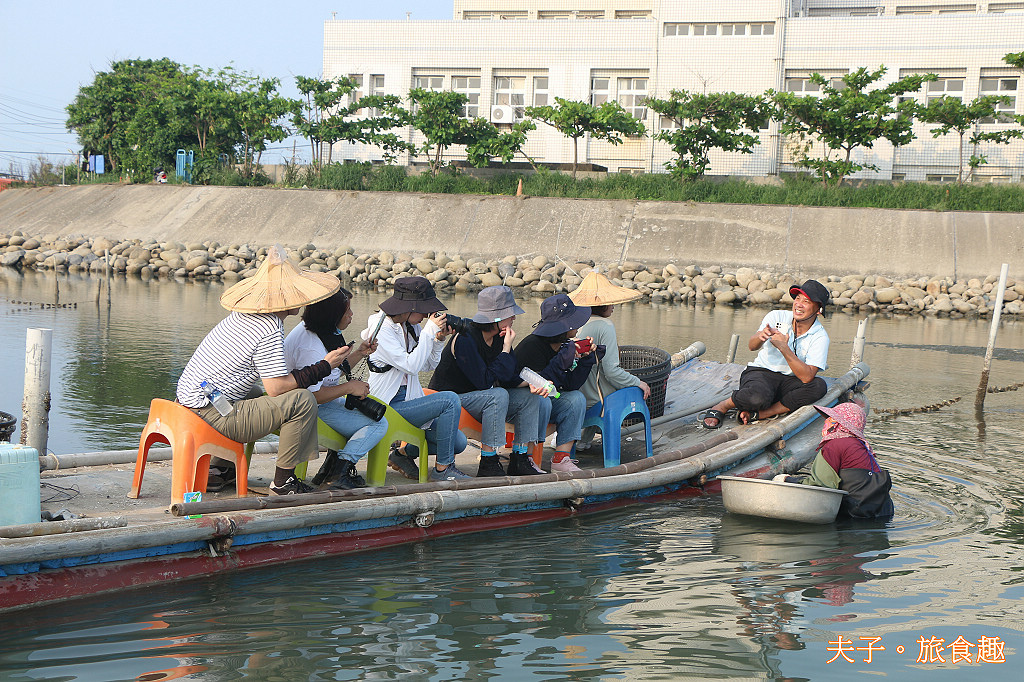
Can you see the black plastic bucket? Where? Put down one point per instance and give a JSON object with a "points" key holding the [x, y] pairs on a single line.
{"points": [[651, 365], [7, 425]]}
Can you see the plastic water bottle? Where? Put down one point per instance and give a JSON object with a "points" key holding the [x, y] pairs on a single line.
{"points": [[537, 381], [217, 398]]}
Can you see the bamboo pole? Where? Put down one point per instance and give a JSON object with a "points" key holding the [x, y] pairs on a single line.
{"points": [[979, 399], [35, 405], [858, 343], [734, 344]]}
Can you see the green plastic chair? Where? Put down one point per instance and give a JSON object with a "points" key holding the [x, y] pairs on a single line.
{"points": [[377, 458]]}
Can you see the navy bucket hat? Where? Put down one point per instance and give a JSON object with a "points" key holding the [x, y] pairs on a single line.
{"points": [[558, 314]]}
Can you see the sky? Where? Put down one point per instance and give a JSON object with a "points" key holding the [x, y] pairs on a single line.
{"points": [[48, 50]]}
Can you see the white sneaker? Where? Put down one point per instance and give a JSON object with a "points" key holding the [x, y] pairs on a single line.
{"points": [[567, 464]]}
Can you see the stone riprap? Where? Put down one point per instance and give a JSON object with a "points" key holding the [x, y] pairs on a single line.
{"points": [[536, 275]]}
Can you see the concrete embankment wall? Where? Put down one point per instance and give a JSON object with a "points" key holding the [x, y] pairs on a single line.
{"points": [[802, 240]]}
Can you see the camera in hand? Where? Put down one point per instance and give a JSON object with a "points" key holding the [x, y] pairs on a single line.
{"points": [[370, 408], [584, 346], [459, 325]]}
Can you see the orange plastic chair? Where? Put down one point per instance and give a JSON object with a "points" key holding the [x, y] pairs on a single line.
{"points": [[192, 442]]}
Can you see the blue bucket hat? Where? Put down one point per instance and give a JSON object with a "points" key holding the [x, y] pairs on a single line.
{"points": [[558, 314]]}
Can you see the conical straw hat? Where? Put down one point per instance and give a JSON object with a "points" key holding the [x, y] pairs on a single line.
{"points": [[597, 290], [279, 285]]}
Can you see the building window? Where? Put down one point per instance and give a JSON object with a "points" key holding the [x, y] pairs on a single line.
{"points": [[762, 29], [667, 123], [554, 14], [944, 87], [1004, 7], [940, 177], [432, 83], [633, 96], [599, 90], [936, 9], [590, 14], [846, 12], [357, 92], [734, 29], [705, 29], [1005, 87], [632, 13], [677, 29], [540, 91], [470, 87], [511, 91], [376, 87]]}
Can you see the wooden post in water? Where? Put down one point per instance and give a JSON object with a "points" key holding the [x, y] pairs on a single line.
{"points": [[109, 269], [979, 399], [35, 406], [734, 343], [858, 343]]}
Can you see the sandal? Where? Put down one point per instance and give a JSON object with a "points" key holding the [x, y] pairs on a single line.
{"points": [[717, 415], [750, 414]]}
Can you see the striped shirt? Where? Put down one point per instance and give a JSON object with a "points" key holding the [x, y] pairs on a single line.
{"points": [[242, 348]]}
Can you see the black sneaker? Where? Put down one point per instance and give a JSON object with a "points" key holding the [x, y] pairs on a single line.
{"points": [[219, 478], [330, 469], [490, 466], [403, 464], [348, 479], [292, 486], [520, 464]]}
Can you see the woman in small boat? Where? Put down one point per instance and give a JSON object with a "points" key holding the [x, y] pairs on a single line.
{"points": [[608, 376], [474, 364], [845, 462], [319, 332], [410, 340], [551, 352]]}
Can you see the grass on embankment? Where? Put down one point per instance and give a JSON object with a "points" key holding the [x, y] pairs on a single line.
{"points": [[660, 187]]}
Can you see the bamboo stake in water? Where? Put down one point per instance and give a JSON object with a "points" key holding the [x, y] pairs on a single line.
{"points": [[35, 406], [734, 343], [979, 400], [858, 343]]}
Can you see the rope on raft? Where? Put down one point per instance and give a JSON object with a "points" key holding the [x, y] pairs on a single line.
{"points": [[887, 413]]}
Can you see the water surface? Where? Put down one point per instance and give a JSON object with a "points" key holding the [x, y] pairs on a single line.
{"points": [[656, 591]]}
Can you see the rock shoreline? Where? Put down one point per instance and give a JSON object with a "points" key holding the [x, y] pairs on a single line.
{"points": [[537, 275]]}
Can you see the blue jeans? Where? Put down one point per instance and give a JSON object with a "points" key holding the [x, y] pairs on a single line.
{"points": [[443, 437], [494, 407], [566, 412], [361, 431]]}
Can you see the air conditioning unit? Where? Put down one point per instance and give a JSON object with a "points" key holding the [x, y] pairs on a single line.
{"points": [[502, 113]]}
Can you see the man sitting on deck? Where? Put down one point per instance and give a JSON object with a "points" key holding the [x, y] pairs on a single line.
{"points": [[783, 376], [248, 345]]}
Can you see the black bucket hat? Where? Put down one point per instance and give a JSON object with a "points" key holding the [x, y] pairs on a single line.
{"points": [[558, 314], [412, 295], [814, 290]]}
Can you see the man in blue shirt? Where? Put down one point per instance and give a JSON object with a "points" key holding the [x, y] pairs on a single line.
{"points": [[792, 348]]}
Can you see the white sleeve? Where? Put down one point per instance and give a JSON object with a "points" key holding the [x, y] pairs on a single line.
{"points": [[391, 348]]}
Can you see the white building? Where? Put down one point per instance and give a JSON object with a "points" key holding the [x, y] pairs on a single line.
{"points": [[507, 55]]}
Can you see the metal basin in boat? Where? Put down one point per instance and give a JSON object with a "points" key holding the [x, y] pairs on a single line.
{"points": [[788, 501]]}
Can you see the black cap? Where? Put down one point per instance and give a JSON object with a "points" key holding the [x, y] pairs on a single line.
{"points": [[814, 290]]}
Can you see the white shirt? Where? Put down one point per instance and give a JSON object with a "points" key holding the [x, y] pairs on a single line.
{"points": [[406, 363], [303, 348], [811, 347], [241, 349]]}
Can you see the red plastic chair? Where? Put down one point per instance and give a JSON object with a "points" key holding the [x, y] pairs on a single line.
{"points": [[192, 442]]}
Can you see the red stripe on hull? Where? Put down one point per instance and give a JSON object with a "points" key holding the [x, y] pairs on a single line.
{"points": [[49, 585]]}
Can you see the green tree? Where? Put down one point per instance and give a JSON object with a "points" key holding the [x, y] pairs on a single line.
{"points": [[259, 110], [493, 143], [438, 115], [126, 115], [718, 120], [1015, 59], [949, 114], [331, 113], [574, 119], [849, 116]]}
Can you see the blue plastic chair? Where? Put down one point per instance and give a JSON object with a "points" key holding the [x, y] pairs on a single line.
{"points": [[608, 417]]}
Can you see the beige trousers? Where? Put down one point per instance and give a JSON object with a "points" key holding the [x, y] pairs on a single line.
{"points": [[294, 413]]}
